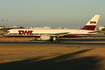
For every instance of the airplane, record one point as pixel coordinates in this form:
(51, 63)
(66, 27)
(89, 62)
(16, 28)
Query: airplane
(54, 34)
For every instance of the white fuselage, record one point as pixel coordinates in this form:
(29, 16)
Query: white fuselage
(39, 32)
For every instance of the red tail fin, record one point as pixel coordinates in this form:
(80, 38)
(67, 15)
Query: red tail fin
(92, 23)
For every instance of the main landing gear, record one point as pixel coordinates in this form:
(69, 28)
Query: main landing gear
(53, 39)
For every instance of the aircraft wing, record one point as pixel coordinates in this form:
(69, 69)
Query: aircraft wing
(59, 34)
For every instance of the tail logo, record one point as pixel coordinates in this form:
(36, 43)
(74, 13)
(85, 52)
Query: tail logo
(92, 22)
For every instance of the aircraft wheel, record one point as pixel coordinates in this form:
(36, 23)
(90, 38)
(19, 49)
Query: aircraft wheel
(51, 40)
(54, 39)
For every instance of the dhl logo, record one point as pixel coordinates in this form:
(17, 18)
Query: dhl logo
(22, 32)
(92, 22)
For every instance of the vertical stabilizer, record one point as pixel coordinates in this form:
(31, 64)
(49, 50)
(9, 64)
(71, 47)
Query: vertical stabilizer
(92, 23)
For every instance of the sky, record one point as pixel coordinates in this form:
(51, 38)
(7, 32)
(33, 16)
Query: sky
(59, 13)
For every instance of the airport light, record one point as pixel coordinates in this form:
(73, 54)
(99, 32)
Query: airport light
(50, 25)
(7, 21)
(2, 21)
(77, 25)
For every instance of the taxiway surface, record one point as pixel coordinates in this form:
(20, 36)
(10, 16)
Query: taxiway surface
(62, 44)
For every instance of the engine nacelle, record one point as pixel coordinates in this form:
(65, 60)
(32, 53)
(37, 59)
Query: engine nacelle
(45, 37)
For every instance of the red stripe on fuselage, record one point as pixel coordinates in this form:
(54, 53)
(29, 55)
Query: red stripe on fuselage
(89, 27)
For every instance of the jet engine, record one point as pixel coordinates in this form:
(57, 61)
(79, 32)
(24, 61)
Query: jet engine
(45, 37)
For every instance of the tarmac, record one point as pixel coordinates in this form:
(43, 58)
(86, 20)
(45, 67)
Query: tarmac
(31, 55)
(61, 43)
(58, 63)
(70, 43)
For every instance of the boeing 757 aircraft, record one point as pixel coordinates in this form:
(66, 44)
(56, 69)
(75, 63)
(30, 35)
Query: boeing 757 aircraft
(54, 34)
